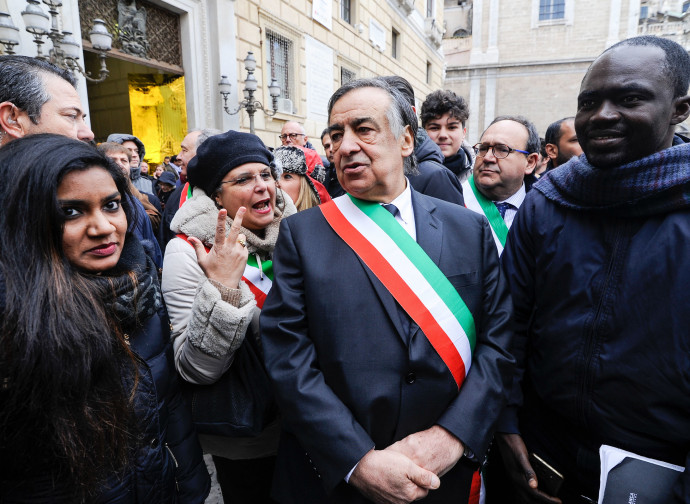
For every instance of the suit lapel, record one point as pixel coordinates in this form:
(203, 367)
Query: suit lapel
(387, 300)
(429, 228)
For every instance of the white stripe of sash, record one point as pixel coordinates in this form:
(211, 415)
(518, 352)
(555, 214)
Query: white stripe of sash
(410, 275)
(254, 276)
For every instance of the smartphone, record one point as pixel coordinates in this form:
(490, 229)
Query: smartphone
(549, 479)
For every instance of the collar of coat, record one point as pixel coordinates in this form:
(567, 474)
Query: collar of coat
(654, 185)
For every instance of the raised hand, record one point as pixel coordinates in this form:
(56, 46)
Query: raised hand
(226, 260)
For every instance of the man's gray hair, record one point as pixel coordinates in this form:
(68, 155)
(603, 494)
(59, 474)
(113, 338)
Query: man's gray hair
(533, 142)
(206, 133)
(399, 114)
(21, 83)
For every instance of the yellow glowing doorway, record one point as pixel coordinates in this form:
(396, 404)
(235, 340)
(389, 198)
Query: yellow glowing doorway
(159, 115)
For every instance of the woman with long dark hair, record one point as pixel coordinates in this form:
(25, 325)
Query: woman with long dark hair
(90, 409)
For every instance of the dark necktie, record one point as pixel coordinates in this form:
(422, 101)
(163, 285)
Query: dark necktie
(391, 208)
(502, 207)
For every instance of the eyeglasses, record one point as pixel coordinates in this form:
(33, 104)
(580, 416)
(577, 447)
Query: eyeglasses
(248, 180)
(499, 151)
(293, 136)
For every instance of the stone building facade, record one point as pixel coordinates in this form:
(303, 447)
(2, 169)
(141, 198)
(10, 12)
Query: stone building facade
(349, 39)
(528, 57)
(309, 46)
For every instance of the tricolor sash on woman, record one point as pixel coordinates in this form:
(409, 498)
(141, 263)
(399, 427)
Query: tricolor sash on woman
(409, 274)
(477, 202)
(185, 194)
(258, 277)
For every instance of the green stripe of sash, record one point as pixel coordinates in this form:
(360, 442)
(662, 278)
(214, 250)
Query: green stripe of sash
(491, 213)
(423, 262)
(266, 265)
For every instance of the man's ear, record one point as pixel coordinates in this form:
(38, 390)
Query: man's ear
(531, 163)
(681, 110)
(551, 150)
(10, 120)
(407, 142)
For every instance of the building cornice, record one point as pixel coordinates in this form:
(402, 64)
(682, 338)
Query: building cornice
(516, 64)
(416, 22)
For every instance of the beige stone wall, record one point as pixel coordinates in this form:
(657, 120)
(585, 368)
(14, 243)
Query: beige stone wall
(352, 49)
(584, 38)
(533, 68)
(540, 93)
(541, 97)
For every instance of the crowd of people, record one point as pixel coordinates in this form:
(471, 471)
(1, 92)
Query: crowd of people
(407, 317)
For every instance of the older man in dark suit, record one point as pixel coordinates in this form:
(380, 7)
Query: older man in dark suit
(385, 334)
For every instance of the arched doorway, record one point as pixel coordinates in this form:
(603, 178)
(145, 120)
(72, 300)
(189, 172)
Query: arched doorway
(144, 94)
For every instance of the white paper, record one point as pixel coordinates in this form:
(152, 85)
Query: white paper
(377, 35)
(322, 11)
(611, 457)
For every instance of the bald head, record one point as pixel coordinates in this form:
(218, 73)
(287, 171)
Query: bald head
(188, 150)
(293, 134)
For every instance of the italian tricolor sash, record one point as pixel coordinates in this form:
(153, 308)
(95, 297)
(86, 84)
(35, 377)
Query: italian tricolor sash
(186, 193)
(258, 279)
(408, 273)
(477, 202)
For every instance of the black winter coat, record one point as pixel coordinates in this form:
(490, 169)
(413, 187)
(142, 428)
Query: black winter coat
(168, 466)
(434, 179)
(602, 315)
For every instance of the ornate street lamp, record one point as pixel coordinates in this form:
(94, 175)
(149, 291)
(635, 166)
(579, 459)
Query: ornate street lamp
(66, 51)
(250, 85)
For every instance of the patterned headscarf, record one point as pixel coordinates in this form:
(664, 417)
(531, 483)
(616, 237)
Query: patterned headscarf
(305, 162)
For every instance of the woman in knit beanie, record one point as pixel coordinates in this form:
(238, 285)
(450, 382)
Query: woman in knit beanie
(214, 283)
(301, 175)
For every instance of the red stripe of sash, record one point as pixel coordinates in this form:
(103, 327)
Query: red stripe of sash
(398, 288)
(475, 489)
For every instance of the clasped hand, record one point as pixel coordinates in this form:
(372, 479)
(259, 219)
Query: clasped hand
(226, 260)
(407, 470)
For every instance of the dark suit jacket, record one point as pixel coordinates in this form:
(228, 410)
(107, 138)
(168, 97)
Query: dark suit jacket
(434, 179)
(347, 374)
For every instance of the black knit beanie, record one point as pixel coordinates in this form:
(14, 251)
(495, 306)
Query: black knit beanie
(220, 154)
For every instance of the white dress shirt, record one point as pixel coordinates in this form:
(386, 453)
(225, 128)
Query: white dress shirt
(515, 200)
(405, 215)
